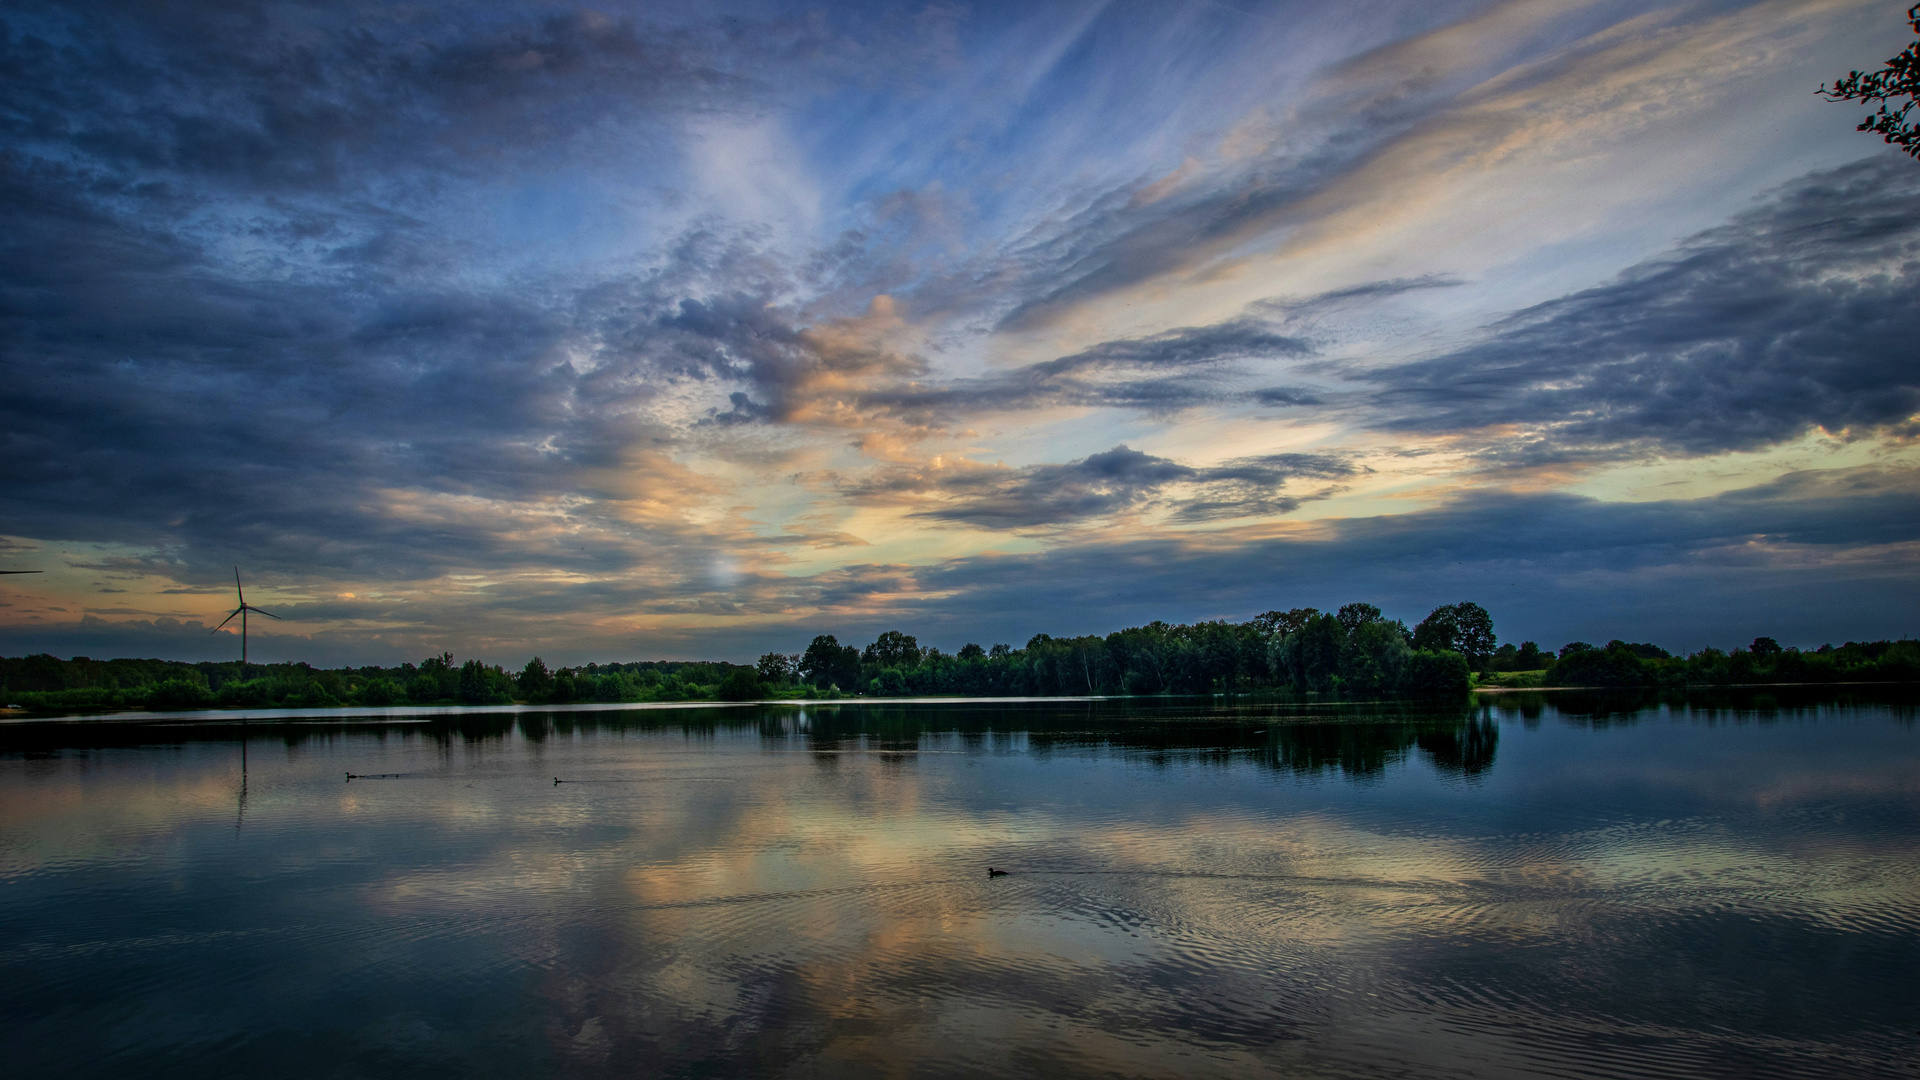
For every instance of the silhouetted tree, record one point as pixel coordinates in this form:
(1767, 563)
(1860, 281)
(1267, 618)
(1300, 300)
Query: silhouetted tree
(1354, 616)
(741, 684)
(829, 663)
(1616, 665)
(1465, 628)
(1272, 623)
(1311, 655)
(435, 680)
(479, 684)
(535, 681)
(893, 649)
(775, 668)
(1375, 655)
(380, 693)
(1436, 674)
(1899, 78)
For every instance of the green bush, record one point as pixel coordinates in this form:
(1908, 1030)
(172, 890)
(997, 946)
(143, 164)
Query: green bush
(179, 694)
(311, 696)
(482, 685)
(252, 694)
(741, 684)
(380, 693)
(1435, 673)
(1619, 664)
(90, 697)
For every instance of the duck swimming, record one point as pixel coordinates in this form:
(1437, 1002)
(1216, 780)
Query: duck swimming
(991, 872)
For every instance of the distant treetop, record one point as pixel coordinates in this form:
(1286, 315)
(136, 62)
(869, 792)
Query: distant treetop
(1900, 78)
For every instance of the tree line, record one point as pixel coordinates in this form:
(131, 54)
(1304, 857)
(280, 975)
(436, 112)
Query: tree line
(1625, 664)
(1352, 653)
(47, 682)
(1355, 651)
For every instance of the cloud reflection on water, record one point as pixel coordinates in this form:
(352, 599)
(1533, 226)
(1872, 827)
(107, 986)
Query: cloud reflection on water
(1224, 895)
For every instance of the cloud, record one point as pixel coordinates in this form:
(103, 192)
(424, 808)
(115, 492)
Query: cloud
(340, 97)
(855, 372)
(1160, 373)
(1186, 347)
(1810, 557)
(435, 307)
(1344, 140)
(325, 385)
(1286, 395)
(230, 321)
(1116, 482)
(157, 396)
(1824, 555)
(1796, 315)
(821, 375)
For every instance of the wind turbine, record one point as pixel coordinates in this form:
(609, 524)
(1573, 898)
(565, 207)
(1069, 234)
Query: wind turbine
(22, 571)
(242, 612)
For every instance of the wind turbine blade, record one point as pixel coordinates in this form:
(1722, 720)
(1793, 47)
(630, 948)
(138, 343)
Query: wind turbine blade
(225, 621)
(22, 571)
(237, 588)
(268, 614)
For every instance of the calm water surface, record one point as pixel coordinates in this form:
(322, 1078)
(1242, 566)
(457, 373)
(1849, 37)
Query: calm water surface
(1598, 889)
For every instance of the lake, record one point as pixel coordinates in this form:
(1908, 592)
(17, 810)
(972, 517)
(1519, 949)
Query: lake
(1536, 885)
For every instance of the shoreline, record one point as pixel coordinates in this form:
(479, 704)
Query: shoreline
(1686, 686)
(427, 713)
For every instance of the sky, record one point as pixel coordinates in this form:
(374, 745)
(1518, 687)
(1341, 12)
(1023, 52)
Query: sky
(693, 331)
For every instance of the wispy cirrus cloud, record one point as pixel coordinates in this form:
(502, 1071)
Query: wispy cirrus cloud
(1165, 372)
(1115, 482)
(854, 373)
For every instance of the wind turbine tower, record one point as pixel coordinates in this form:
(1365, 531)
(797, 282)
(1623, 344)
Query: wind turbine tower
(242, 612)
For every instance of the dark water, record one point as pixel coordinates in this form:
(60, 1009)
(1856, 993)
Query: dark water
(1605, 889)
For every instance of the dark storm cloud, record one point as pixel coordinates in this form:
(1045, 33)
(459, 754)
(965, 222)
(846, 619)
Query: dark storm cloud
(1100, 485)
(324, 96)
(154, 395)
(229, 321)
(1800, 314)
